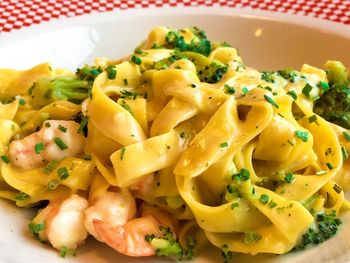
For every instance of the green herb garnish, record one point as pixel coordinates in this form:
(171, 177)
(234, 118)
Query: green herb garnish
(60, 143)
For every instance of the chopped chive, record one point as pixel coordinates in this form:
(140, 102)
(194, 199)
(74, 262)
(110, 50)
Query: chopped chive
(267, 88)
(83, 124)
(264, 199)
(21, 196)
(139, 51)
(302, 135)
(87, 157)
(62, 128)
(330, 166)
(272, 204)
(337, 188)
(281, 115)
(127, 107)
(193, 85)
(229, 89)
(182, 135)
(125, 82)
(323, 85)
(122, 152)
(312, 118)
(346, 136)
(289, 178)
(50, 167)
(244, 91)
(35, 229)
(39, 147)
(290, 143)
(60, 143)
(344, 153)
(5, 159)
(321, 172)
(47, 124)
(128, 94)
(293, 94)
(62, 173)
(307, 89)
(53, 184)
(271, 101)
(234, 205)
(136, 60)
(223, 145)
(111, 72)
(22, 102)
(243, 175)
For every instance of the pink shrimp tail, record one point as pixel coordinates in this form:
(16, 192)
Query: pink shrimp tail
(112, 236)
(124, 240)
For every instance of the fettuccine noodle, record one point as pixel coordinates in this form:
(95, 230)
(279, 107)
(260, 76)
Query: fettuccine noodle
(239, 160)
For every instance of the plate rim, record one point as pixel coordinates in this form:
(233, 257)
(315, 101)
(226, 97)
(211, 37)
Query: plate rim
(323, 25)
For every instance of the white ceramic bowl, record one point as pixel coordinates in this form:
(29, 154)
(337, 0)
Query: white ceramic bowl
(265, 40)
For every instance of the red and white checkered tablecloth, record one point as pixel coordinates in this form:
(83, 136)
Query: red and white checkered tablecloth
(15, 14)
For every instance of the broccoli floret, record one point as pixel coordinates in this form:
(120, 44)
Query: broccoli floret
(226, 254)
(213, 72)
(167, 245)
(203, 46)
(66, 252)
(337, 74)
(334, 103)
(334, 106)
(199, 44)
(47, 90)
(327, 225)
(208, 70)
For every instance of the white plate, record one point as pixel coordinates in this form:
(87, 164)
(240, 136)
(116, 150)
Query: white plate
(284, 41)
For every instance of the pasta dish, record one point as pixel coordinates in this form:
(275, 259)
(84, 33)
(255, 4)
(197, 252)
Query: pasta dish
(176, 147)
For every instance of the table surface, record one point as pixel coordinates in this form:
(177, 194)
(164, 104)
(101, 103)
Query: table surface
(16, 14)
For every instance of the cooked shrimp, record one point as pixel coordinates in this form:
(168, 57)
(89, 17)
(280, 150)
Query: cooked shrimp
(56, 140)
(64, 222)
(112, 208)
(144, 184)
(129, 239)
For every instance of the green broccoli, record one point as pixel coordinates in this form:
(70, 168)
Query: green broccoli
(208, 70)
(337, 74)
(47, 90)
(199, 44)
(334, 102)
(167, 245)
(327, 225)
(226, 254)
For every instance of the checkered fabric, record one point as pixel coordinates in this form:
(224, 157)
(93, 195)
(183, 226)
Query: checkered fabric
(15, 14)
